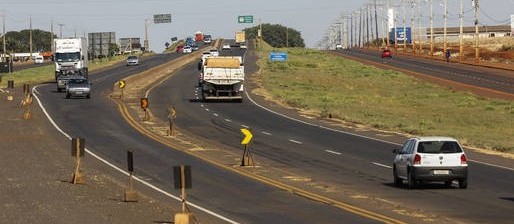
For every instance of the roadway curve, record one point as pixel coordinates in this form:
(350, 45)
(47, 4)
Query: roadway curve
(236, 198)
(348, 164)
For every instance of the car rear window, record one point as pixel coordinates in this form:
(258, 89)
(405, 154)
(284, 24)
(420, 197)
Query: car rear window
(436, 147)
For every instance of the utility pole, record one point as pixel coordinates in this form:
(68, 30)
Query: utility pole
(376, 22)
(367, 24)
(52, 35)
(412, 29)
(30, 38)
(146, 35)
(420, 38)
(461, 47)
(60, 29)
(351, 30)
(477, 53)
(445, 15)
(360, 28)
(431, 28)
(404, 27)
(4, 55)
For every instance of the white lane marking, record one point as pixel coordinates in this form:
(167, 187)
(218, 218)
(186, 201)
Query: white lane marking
(207, 109)
(493, 165)
(228, 120)
(245, 126)
(34, 89)
(352, 134)
(201, 105)
(266, 133)
(382, 165)
(294, 141)
(333, 152)
(215, 114)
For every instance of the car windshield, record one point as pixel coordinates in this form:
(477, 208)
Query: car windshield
(67, 57)
(435, 147)
(77, 81)
(132, 57)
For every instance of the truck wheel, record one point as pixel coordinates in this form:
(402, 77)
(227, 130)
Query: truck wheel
(68, 96)
(88, 96)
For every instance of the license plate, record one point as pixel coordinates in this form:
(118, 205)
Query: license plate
(79, 93)
(441, 172)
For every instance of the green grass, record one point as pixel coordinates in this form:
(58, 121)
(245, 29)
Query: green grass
(33, 76)
(386, 100)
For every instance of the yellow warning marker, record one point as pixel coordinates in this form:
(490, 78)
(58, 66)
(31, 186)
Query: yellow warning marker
(248, 136)
(247, 159)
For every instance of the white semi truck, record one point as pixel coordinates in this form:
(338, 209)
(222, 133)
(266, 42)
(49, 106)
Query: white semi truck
(70, 58)
(222, 78)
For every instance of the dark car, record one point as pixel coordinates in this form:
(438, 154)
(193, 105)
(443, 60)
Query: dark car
(387, 54)
(179, 48)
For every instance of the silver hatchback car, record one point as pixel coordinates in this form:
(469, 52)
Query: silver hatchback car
(430, 159)
(78, 86)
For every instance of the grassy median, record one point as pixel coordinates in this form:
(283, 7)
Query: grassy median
(331, 86)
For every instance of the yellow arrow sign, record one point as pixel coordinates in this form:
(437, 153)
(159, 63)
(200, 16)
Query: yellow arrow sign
(122, 84)
(248, 136)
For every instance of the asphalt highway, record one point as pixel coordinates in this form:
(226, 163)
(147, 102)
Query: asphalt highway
(340, 159)
(235, 198)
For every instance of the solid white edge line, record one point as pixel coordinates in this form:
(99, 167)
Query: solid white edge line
(382, 165)
(493, 165)
(266, 133)
(333, 152)
(352, 134)
(34, 89)
(294, 141)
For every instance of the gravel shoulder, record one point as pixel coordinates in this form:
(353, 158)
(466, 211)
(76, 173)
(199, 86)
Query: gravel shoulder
(36, 177)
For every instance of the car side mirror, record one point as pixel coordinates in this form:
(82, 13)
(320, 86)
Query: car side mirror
(396, 151)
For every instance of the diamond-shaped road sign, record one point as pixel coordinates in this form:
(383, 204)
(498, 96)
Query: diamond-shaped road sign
(248, 136)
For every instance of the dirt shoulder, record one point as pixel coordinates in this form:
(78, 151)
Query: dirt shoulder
(37, 169)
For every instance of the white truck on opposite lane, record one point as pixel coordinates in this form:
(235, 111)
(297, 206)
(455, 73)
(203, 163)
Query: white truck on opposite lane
(222, 78)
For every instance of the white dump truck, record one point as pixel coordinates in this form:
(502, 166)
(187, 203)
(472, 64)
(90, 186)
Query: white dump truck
(222, 78)
(70, 58)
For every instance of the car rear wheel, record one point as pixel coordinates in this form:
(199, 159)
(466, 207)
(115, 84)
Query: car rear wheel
(448, 183)
(463, 184)
(397, 180)
(411, 180)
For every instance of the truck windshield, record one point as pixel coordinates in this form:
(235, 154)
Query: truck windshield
(67, 57)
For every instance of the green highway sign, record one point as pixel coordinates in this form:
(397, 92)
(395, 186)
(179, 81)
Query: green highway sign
(245, 19)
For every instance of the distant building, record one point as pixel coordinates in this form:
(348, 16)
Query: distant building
(99, 43)
(130, 45)
(452, 33)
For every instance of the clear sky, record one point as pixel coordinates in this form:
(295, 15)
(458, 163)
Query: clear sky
(217, 17)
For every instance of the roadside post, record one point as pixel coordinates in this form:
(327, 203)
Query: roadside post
(182, 180)
(27, 103)
(247, 159)
(130, 194)
(144, 106)
(172, 114)
(121, 84)
(77, 151)
(10, 85)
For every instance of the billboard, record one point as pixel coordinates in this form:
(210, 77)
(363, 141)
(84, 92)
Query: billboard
(99, 43)
(130, 44)
(162, 18)
(401, 35)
